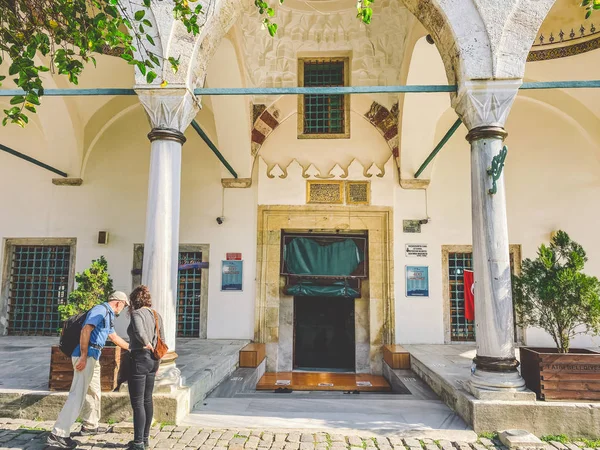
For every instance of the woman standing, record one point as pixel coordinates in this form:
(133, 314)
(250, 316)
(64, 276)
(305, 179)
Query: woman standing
(143, 337)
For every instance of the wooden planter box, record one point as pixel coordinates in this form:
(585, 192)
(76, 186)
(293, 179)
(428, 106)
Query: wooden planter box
(61, 369)
(561, 376)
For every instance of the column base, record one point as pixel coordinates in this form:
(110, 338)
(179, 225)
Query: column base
(486, 385)
(168, 377)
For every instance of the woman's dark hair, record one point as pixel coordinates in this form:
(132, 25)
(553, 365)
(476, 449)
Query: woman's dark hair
(140, 297)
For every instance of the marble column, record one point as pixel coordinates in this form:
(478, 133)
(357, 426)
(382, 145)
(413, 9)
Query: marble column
(169, 111)
(484, 106)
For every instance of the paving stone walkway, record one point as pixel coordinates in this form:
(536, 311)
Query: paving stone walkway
(31, 435)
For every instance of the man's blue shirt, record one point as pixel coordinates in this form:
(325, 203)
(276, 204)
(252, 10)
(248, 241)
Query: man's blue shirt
(101, 317)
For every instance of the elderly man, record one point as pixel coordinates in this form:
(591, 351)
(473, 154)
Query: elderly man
(84, 396)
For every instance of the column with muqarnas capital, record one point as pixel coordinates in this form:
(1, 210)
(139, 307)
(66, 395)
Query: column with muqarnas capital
(484, 107)
(170, 111)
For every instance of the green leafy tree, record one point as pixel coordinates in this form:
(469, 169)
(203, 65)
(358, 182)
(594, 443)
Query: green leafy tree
(554, 294)
(39, 35)
(94, 285)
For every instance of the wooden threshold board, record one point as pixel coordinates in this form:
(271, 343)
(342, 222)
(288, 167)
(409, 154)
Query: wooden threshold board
(323, 381)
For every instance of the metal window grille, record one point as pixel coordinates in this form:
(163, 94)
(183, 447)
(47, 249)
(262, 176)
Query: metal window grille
(188, 296)
(38, 283)
(323, 114)
(461, 328)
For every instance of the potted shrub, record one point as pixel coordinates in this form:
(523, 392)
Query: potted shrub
(553, 293)
(94, 285)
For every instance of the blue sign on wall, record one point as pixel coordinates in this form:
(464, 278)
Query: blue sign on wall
(232, 275)
(417, 281)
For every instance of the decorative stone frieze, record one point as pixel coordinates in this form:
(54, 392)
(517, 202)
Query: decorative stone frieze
(354, 170)
(386, 122)
(377, 51)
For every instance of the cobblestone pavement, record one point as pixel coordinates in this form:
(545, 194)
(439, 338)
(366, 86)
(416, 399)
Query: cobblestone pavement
(31, 435)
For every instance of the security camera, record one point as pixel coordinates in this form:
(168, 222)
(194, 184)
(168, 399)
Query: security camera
(220, 220)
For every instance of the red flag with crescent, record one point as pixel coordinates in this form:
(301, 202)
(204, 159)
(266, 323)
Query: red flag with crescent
(469, 295)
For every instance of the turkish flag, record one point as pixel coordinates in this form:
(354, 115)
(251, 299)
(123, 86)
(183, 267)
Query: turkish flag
(469, 295)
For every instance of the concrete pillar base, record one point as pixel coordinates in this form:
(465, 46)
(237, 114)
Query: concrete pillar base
(483, 382)
(168, 377)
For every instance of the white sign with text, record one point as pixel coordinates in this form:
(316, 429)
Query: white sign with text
(416, 250)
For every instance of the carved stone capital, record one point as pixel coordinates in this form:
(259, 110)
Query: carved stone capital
(169, 108)
(485, 103)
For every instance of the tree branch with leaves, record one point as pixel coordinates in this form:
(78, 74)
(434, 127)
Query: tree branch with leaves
(37, 36)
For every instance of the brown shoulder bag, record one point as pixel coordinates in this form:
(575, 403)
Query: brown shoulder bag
(160, 349)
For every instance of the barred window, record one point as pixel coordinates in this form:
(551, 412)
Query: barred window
(38, 284)
(324, 114)
(192, 287)
(188, 295)
(462, 329)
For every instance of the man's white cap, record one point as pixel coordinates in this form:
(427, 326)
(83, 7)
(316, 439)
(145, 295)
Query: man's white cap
(119, 296)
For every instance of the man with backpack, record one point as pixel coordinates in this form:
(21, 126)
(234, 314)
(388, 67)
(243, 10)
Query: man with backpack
(84, 396)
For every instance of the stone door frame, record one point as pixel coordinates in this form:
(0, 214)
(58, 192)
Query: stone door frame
(272, 321)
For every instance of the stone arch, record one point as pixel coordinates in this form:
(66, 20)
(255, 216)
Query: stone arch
(224, 15)
(384, 120)
(173, 40)
(477, 40)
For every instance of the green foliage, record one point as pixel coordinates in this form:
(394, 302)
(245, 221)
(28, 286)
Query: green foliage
(554, 294)
(563, 439)
(590, 6)
(490, 436)
(37, 36)
(94, 286)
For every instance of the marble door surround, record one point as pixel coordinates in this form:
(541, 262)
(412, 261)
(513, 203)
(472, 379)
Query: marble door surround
(374, 311)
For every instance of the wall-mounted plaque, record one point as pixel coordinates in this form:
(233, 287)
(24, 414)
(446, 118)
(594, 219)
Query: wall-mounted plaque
(358, 193)
(331, 192)
(416, 250)
(411, 226)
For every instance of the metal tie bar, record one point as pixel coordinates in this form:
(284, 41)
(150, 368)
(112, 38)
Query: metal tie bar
(438, 147)
(436, 88)
(32, 160)
(213, 147)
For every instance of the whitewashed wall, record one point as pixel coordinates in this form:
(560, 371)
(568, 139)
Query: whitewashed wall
(113, 198)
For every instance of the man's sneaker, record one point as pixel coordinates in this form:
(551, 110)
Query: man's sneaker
(91, 431)
(56, 441)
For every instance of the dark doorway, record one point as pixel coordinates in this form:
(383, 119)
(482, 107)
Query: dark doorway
(324, 334)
